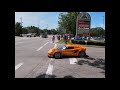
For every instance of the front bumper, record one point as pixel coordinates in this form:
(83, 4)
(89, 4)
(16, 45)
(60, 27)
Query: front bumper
(50, 55)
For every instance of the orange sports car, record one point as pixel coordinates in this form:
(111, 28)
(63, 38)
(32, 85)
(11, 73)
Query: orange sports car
(67, 50)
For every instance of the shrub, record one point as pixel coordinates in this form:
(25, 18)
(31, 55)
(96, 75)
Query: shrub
(89, 42)
(78, 41)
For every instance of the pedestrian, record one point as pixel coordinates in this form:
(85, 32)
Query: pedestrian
(59, 37)
(65, 39)
(53, 39)
(68, 38)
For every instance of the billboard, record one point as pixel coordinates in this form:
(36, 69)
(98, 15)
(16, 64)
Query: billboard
(83, 24)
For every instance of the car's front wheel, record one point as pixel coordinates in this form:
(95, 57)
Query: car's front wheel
(82, 54)
(57, 55)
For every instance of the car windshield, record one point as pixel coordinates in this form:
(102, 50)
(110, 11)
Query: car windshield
(61, 47)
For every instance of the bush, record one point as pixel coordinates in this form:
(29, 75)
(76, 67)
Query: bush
(96, 43)
(89, 42)
(78, 41)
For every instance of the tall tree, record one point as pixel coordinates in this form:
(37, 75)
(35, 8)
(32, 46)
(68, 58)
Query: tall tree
(97, 32)
(18, 29)
(24, 30)
(68, 22)
(33, 29)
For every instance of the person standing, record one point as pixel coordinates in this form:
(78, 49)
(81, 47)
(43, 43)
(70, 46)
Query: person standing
(65, 39)
(53, 39)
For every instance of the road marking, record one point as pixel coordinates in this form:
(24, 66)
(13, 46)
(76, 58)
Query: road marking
(45, 43)
(73, 61)
(49, 70)
(50, 66)
(55, 45)
(17, 66)
(42, 46)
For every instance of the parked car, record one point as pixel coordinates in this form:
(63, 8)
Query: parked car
(44, 35)
(29, 35)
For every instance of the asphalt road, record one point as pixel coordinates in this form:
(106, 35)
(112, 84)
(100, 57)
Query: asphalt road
(31, 61)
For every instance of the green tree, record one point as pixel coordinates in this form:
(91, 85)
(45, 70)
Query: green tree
(98, 32)
(33, 29)
(18, 29)
(68, 22)
(44, 30)
(24, 30)
(53, 31)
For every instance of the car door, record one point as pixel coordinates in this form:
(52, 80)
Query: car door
(69, 51)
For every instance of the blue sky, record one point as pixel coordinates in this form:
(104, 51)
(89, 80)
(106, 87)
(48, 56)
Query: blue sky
(50, 19)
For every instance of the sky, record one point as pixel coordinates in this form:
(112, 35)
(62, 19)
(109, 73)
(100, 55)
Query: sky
(50, 20)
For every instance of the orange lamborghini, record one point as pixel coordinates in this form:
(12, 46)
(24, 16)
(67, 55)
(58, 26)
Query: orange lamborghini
(67, 50)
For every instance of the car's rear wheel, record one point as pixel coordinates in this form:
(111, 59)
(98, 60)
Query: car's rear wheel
(57, 55)
(82, 54)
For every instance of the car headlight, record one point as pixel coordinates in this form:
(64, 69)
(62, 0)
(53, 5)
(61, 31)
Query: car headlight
(53, 50)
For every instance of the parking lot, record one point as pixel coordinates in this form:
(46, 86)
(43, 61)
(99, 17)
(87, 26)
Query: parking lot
(31, 61)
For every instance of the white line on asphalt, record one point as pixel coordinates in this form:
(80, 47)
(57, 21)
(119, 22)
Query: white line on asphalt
(55, 45)
(50, 67)
(45, 43)
(42, 46)
(17, 66)
(73, 61)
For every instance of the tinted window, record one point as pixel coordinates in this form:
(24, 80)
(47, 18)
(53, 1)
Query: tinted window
(61, 48)
(70, 47)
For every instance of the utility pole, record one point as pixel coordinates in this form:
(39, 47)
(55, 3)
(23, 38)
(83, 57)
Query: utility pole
(76, 25)
(21, 22)
(38, 26)
(38, 29)
(103, 22)
(46, 28)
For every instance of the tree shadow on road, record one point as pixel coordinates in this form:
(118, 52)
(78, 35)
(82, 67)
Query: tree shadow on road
(103, 72)
(52, 76)
(45, 76)
(88, 57)
(98, 63)
(69, 76)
